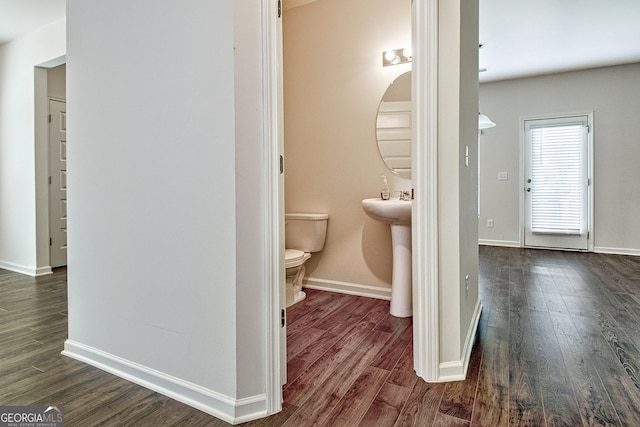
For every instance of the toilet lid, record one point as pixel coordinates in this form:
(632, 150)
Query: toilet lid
(293, 255)
(295, 258)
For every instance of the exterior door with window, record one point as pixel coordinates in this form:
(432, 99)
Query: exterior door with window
(557, 182)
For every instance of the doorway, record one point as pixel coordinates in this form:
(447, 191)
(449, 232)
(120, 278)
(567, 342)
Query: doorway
(424, 16)
(57, 183)
(331, 102)
(49, 84)
(557, 159)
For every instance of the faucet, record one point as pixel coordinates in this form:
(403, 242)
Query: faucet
(404, 194)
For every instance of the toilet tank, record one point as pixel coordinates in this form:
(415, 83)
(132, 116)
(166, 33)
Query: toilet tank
(305, 231)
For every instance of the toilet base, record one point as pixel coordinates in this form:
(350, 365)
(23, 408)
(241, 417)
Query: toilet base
(299, 296)
(295, 294)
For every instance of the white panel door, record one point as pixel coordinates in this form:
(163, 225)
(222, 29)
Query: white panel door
(58, 183)
(557, 183)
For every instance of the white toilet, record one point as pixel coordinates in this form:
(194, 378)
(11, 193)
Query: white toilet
(304, 233)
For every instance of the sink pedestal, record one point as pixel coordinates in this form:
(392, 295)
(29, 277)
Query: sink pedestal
(401, 298)
(396, 213)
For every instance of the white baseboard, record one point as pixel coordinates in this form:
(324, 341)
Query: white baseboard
(616, 251)
(226, 408)
(23, 269)
(506, 243)
(457, 370)
(43, 271)
(597, 249)
(348, 288)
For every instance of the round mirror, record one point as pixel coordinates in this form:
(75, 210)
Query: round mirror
(393, 126)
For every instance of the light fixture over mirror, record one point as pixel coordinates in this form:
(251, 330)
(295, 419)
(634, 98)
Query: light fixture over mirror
(393, 126)
(396, 56)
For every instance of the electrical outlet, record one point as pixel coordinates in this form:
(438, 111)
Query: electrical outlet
(503, 176)
(490, 223)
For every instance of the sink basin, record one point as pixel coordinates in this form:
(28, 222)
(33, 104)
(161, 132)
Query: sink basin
(396, 213)
(393, 211)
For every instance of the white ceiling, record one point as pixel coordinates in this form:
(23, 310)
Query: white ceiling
(531, 37)
(520, 37)
(18, 17)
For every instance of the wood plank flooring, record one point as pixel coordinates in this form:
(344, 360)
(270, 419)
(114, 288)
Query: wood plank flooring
(558, 345)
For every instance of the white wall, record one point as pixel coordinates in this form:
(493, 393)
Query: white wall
(250, 230)
(612, 93)
(457, 183)
(20, 151)
(164, 286)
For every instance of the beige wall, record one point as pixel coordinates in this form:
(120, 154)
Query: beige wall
(57, 82)
(612, 93)
(334, 81)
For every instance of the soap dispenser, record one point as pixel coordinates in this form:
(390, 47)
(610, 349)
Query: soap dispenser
(384, 194)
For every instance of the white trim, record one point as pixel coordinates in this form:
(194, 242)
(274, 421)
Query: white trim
(23, 269)
(43, 271)
(451, 371)
(273, 205)
(590, 173)
(457, 370)
(226, 408)
(41, 159)
(424, 164)
(348, 288)
(590, 156)
(506, 243)
(521, 201)
(616, 251)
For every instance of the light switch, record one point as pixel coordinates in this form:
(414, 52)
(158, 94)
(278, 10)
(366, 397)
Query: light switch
(503, 176)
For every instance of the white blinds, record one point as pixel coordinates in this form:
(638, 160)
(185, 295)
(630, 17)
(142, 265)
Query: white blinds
(556, 184)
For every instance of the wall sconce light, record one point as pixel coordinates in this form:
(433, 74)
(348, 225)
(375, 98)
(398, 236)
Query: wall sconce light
(396, 56)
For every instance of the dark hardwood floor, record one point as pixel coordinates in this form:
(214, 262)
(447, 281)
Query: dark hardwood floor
(558, 344)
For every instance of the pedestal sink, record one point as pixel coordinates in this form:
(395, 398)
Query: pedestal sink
(396, 213)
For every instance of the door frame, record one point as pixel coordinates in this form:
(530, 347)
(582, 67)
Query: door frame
(41, 155)
(424, 171)
(49, 169)
(273, 135)
(590, 169)
(424, 142)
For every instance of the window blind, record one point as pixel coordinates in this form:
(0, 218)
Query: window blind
(556, 184)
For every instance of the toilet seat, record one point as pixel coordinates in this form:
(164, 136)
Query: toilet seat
(295, 257)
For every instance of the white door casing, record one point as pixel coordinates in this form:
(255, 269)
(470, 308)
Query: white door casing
(57, 183)
(557, 190)
(425, 208)
(275, 291)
